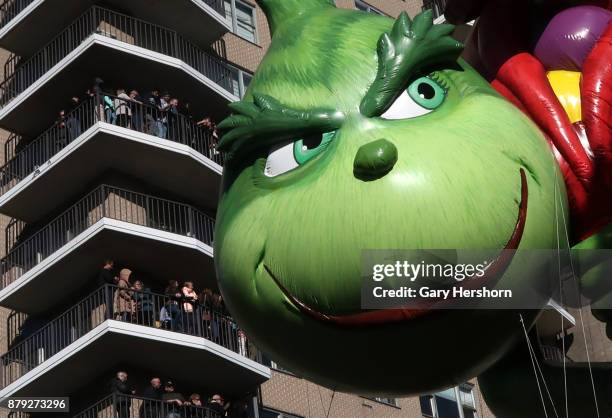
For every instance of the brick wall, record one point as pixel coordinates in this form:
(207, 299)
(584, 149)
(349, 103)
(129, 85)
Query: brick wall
(287, 393)
(248, 55)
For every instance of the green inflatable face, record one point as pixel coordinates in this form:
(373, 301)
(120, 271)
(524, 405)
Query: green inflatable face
(359, 132)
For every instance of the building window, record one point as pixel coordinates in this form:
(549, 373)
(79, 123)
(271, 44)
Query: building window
(242, 19)
(267, 361)
(386, 401)
(436, 6)
(240, 81)
(271, 413)
(365, 7)
(457, 402)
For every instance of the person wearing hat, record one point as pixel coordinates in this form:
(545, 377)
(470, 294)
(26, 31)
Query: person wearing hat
(173, 401)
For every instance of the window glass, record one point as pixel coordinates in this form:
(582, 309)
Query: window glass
(269, 413)
(466, 393)
(448, 394)
(246, 80)
(426, 409)
(446, 408)
(469, 412)
(241, 18)
(245, 21)
(363, 6)
(235, 74)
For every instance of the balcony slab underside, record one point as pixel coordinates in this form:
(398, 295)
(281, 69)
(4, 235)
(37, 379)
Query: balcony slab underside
(59, 278)
(194, 19)
(173, 168)
(211, 367)
(120, 65)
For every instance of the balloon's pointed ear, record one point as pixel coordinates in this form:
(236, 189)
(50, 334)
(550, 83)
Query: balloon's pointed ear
(279, 11)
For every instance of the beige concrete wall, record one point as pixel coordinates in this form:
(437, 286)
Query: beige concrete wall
(591, 339)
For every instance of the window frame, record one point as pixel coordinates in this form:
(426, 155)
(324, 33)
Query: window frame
(233, 20)
(457, 398)
(385, 401)
(242, 88)
(368, 8)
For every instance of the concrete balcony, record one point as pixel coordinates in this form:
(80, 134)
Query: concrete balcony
(88, 141)
(202, 21)
(73, 348)
(156, 237)
(121, 50)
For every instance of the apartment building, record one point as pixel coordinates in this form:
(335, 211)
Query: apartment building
(97, 178)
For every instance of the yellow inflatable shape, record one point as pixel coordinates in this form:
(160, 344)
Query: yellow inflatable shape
(566, 85)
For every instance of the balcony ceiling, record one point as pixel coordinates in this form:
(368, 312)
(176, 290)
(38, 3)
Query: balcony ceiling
(119, 65)
(193, 19)
(151, 259)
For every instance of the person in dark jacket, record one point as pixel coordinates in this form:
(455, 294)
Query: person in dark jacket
(173, 401)
(173, 298)
(152, 395)
(217, 404)
(144, 309)
(107, 275)
(122, 391)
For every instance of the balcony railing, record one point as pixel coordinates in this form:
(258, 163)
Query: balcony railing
(9, 9)
(116, 405)
(436, 6)
(117, 26)
(144, 308)
(139, 117)
(105, 202)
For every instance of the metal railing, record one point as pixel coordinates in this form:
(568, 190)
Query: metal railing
(105, 202)
(167, 124)
(552, 353)
(437, 6)
(133, 31)
(144, 308)
(124, 406)
(9, 9)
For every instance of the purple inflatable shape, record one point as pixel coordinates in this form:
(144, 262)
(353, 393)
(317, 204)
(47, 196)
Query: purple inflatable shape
(570, 36)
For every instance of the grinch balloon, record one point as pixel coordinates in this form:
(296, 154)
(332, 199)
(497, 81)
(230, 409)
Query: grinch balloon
(361, 132)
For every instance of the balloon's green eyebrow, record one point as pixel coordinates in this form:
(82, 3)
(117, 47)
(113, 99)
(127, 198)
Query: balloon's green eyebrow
(408, 48)
(266, 121)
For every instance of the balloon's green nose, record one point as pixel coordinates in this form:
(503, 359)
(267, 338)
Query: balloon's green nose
(374, 160)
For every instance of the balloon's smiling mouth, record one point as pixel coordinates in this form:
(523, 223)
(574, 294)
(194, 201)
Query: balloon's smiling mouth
(493, 273)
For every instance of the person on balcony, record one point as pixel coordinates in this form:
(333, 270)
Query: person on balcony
(190, 299)
(123, 111)
(173, 119)
(137, 111)
(73, 120)
(124, 304)
(107, 275)
(150, 407)
(173, 401)
(144, 306)
(153, 102)
(212, 134)
(122, 390)
(61, 138)
(162, 117)
(217, 404)
(195, 400)
(172, 308)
